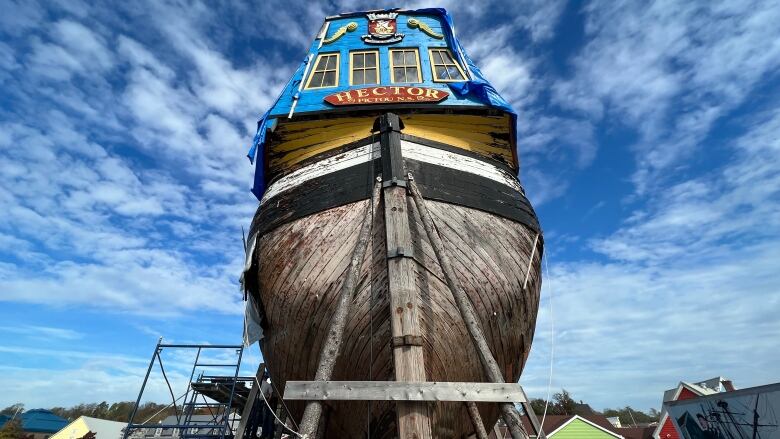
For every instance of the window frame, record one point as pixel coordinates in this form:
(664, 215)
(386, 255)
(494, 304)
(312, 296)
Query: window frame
(392, 65)
(314, 70)
(378, 66)
(433, 65)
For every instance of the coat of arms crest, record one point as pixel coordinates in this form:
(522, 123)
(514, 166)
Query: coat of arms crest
(382, 28)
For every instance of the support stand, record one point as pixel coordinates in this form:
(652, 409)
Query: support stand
(412, 417)
(508, 411)
(331, 349)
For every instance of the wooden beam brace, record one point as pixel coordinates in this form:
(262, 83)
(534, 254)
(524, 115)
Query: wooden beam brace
(492, 371)
(403, 391)
(331, 349)
(250, 402)
(476, 419)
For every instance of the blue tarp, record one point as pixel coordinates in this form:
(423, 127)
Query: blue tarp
(257, 150)
(478, 88)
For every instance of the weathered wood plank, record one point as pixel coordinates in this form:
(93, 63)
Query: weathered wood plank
(250, 402)
(403, 391)
(476, 419)
(294, 142)
(300, 292)
(413, 418)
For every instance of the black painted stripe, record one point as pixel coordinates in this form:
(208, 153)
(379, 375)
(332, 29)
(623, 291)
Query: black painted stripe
(471, 190)
(321, 193)
(355, 183)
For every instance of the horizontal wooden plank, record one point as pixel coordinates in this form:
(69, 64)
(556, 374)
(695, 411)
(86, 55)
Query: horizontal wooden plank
(403, 391)
(296, 141)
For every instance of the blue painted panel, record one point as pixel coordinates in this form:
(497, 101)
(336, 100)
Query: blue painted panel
(312, 100)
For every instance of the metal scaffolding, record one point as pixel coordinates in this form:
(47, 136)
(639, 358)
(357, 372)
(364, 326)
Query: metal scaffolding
(212, 404)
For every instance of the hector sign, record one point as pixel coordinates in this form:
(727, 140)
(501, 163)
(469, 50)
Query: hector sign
(386, 95)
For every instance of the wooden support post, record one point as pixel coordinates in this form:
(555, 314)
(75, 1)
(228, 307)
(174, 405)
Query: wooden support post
(508, 410)
(529, 413)
(476, 419)
(250, 402)
(280, 426)
(413, 419)
(497, 431)
(332, 346)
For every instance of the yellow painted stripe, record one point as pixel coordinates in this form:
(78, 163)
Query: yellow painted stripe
(297, 141)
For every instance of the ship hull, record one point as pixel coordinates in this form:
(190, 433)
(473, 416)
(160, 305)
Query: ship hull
(306, 230)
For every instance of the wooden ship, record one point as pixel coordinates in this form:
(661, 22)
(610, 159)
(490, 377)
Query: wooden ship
(393, 242)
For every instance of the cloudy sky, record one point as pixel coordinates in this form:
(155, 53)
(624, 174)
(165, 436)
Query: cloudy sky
(649, 138)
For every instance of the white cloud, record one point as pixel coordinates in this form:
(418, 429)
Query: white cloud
(627, 326)
(716, 212)
(73, 49)
(670, 71)
(91, 222)
(86, 44)
(42, 332)
(688, 289)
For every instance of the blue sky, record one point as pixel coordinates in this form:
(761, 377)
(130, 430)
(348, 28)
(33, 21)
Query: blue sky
(649, 141)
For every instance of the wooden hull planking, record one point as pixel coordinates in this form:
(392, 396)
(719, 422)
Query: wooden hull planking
(302, 265)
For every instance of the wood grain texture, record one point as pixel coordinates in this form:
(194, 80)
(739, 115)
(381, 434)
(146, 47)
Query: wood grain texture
(293, 143)
(302, 266)
(408, 360)
(403, 391)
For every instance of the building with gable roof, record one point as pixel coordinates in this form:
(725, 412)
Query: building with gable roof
(86, 427)
(686, 390)
(38, 423)
(585, 424)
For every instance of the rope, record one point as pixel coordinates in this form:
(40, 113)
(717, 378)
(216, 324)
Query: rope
(173, 398)
(260, 391)
(530, 261)
(552, 344)
(276, 391)
(284, 404)
(164, 408)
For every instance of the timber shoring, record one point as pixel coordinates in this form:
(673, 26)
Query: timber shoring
(479, 426)
(509, 412)
(332, 346)
(403, 391)
(413, 418)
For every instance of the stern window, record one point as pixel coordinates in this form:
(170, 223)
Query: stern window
(364, 68)
(444, 67)
(326, 71)
(405, 65)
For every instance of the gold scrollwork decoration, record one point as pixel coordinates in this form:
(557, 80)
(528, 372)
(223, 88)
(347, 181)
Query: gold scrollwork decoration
(349, 27)
(414, 23)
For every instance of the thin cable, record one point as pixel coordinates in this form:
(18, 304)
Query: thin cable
(371, 286)
(164, 408)
(552, 343)
(276, 391)
(259, 387)
(173, 398)
(530, 261)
